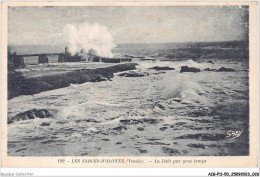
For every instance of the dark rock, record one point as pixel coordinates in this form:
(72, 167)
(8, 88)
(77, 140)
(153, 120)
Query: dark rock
(61, 122)
(163, 128)
(133, 74)
(209, 61)
(140, 128)
(119, 143)
(160, 106)
(197, 146)
(208, 69)
(159, 73)
(189, 69)
(45, 124)
(157, 143)
(223, 69)
(153, 139)
(120, 128)
(142, 151)
(157, 68)
(170, 151)
(30, 114)
(105, 139)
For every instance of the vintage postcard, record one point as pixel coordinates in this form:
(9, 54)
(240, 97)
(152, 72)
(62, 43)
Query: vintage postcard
(129, 84)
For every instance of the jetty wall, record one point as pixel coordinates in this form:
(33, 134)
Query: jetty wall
(20, 85)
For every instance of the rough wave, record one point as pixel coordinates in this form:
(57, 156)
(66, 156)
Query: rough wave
(89, 36)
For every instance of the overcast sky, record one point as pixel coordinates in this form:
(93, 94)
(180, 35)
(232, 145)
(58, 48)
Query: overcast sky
(44, 25)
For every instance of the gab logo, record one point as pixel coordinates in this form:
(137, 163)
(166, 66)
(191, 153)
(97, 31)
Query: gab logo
(233, 134)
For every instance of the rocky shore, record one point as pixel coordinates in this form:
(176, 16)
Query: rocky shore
(18, 84)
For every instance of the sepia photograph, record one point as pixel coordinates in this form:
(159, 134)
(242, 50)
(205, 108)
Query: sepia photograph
(128, 80)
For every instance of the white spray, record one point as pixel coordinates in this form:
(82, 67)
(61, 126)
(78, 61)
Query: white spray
(89, 36)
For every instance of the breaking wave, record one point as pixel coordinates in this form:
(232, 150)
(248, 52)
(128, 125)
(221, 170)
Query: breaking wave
(174, 64)
(89, 36)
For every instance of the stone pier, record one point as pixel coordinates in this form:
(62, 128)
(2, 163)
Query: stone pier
(43, 59)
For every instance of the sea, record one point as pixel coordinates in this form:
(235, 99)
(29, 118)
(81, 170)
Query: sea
(162, 113)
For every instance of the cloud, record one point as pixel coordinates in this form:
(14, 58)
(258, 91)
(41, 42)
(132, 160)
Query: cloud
(44, 25)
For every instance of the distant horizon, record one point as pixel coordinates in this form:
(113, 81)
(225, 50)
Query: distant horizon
(134, 43)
